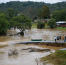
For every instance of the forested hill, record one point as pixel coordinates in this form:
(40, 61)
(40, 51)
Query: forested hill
(31, 7)
(21, 6)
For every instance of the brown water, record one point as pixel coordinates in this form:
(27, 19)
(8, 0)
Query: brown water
(24, 57)
(44, 34)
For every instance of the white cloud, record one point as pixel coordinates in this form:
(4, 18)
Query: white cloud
(62, 0)
(46, 1)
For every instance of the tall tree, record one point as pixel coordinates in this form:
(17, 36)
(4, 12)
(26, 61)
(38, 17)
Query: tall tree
(44, 12)
(11, 13)
(23, 22)
(52, 23)
(59, 15)
(3, 24)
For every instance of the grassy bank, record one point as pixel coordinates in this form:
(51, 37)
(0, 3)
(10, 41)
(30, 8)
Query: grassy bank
(57, 58)
(61, 28)
(34, 25)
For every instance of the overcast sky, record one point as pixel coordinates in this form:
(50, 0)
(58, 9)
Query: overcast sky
(46, 1)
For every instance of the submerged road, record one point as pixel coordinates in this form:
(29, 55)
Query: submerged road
(30, 42)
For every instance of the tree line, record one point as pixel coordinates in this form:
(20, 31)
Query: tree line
(31, 8)
(22, 20)
(11, 19)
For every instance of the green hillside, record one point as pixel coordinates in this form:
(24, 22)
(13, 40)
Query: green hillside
(31, 8)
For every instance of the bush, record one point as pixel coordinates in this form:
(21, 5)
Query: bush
(40, 24)
(52, 23)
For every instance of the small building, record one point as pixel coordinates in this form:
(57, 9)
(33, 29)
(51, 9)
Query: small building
(61, 23)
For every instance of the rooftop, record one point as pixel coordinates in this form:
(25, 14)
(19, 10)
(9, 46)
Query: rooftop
(61, 22)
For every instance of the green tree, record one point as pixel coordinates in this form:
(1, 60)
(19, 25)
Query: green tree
(40, 24)
(23, 22)
(13, 24)
(59, 15)
(52, 23)
(44, 12)
(11, 13)
(3, 24)
(24, 7)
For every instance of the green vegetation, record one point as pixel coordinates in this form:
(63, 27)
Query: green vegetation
(47, 26)
(52, 23)
(40, 24)
(11, 13)
(10, 19)
(59, 15)
(61, 28)
(34, 25)
(20, 14)
(57, 58)
(31, 8)
(23, 23)
(3, 24)
(44, 12)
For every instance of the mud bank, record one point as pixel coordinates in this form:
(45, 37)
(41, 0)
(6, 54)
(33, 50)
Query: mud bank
(52, 44)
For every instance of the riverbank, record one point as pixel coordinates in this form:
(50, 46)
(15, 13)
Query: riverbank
(34, 25)
(52, 58)
(24, 54)
(51, 44)
(61, 28)
(45, 46)
(57, 58)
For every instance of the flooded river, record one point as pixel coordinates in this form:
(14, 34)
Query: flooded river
(44, 34)
(24, 56)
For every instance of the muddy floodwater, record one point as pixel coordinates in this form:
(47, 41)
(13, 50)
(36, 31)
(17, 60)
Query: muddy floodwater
(25, 57)
(44, 34)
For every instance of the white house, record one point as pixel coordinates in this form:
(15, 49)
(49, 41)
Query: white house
(61, 23)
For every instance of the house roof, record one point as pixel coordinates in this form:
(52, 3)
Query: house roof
(61, 22)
